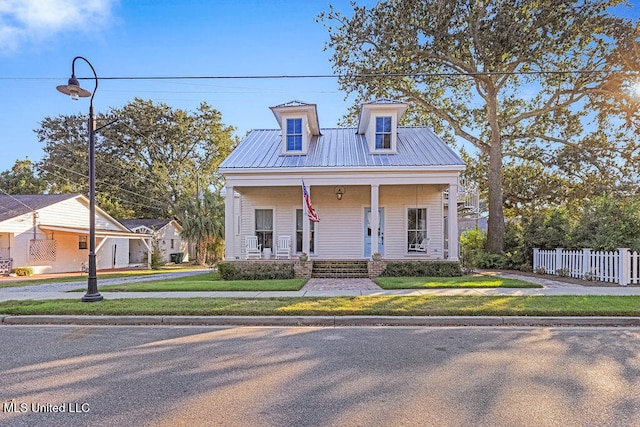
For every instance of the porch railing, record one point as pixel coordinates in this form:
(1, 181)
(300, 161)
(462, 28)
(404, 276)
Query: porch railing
(6, 265)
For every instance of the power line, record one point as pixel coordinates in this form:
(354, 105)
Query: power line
(159, 204)
(336, 76)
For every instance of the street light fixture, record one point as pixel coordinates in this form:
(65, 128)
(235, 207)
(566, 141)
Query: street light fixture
(73, 89)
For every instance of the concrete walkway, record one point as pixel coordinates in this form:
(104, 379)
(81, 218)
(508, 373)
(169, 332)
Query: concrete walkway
(314, 288)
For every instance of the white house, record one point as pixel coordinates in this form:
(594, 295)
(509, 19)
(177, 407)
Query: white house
(166, 233)
(378, 179)
(50, 234)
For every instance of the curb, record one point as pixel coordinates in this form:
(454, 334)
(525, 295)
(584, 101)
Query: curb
(321, 321)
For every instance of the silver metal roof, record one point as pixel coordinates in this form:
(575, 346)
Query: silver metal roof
(341, 148)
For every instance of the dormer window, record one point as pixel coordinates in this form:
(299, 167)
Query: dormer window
(299, 124)
(294, 134)
(383, 133)
(379, 124)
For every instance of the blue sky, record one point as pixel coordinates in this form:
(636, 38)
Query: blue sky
(39, 39)
(142, 38)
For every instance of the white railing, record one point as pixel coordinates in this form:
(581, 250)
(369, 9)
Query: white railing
(5, 266)
(621, 266)
(468, 197)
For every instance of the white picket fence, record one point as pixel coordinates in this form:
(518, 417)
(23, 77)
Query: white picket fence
(621, 266)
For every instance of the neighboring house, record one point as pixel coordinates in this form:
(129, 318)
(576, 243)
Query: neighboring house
(166, 233)
(50, 234)
(378, 179)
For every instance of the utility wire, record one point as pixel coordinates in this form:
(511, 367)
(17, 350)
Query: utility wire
(159, 204)
(111, 196)
(335, 76)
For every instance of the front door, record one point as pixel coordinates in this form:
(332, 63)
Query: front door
(367, 232)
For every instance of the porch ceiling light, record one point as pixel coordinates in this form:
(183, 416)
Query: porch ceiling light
(339, 192)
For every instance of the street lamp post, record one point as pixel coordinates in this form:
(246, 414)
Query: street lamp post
(73, 89)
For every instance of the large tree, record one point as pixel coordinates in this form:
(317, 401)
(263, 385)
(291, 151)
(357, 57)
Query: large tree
(22, 179)
(149, 162)
(520, 80)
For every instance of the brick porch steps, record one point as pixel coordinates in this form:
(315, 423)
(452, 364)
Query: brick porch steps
(340, 269)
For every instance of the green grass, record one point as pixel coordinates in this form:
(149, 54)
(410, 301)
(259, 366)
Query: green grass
(341, 306)
(475, 281)
(205, 282)
(83, 278)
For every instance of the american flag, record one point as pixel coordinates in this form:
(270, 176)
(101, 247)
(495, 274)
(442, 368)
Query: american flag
(306, 201)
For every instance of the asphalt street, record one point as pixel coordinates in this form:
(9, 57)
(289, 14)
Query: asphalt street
(310, 376)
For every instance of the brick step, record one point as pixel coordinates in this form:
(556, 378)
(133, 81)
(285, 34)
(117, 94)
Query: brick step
(339, 269)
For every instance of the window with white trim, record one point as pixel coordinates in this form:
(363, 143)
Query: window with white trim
(417, 230)
(294, 134)
(264, 227)
(383, 133)
(299, 233)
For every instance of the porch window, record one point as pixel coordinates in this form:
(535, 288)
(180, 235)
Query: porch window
(264, 227)
(383, 132)
(294, 134)
(82, 242)
(312, 232)
(416, 229)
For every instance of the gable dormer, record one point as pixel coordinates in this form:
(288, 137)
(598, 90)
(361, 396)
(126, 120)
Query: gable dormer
(299, 123)
(379, 124)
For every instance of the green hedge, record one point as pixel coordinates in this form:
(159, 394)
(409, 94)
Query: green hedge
(422, 268)
(255, 271)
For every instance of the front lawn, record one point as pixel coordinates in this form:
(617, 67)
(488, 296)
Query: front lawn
(474, 281)
(33, 280)
(340, 306)
(205, 282)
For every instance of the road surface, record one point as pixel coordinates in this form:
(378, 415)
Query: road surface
(306, 376)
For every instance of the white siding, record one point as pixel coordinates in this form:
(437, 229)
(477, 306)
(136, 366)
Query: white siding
(164, 236)
(396, 200)
(114, 253)
(73, 213)
(340, 232)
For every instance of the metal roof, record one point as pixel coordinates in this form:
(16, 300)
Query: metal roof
(20, 204)
(341, 148)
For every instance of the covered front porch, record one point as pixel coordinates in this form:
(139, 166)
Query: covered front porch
(407, 212)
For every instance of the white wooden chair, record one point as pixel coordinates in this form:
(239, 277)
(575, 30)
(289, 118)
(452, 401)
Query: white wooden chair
(420, 247)
(252, 249)
(283, 250)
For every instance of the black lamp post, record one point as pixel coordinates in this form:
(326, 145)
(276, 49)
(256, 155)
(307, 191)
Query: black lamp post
(74, 90)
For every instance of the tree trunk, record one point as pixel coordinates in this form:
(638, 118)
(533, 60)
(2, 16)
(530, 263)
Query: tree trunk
(495, 233)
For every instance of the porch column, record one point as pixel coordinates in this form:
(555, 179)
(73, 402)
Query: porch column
(452, 215)
(306, 227)
(149, 246)
(229, 218)
(375, 218)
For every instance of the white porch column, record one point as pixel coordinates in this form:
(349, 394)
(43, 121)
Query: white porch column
(306, 227)
(229, 226)
(452, 215)
(375, 218)
(149, 252)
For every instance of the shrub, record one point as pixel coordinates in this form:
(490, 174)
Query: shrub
(422, 268)
(255, 270)
(472, 245)
(486, 260)
(22, 271)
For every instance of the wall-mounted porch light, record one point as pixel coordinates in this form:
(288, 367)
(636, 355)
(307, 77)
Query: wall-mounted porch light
(339, 192)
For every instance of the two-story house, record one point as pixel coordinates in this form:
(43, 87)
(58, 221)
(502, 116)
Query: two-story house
(377, 188)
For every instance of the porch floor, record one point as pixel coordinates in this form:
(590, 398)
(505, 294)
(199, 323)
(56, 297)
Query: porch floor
(333, 284)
